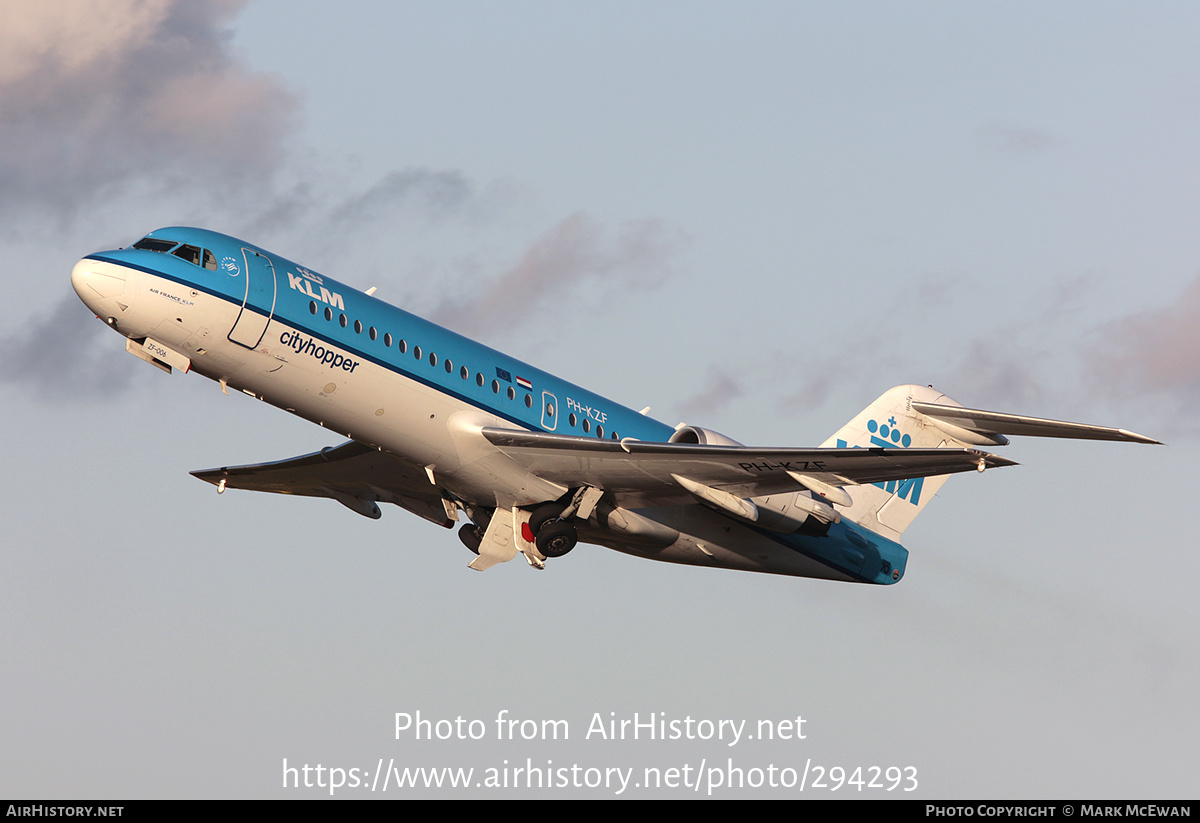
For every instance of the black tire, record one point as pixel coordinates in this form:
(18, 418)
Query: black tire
(542, 515)
(471, 536)
(556, 538)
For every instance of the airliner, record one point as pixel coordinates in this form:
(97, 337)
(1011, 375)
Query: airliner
(525, 462)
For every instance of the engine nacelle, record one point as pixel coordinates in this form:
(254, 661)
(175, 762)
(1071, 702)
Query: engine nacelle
(697, 436)
(795, 512)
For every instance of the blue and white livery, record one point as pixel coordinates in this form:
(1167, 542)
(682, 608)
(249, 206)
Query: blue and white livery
(454, 431)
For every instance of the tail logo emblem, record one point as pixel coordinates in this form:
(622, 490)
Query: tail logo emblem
(886, 435)
(889, 436)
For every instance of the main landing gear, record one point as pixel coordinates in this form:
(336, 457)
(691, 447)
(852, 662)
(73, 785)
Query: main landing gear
(550, 527)
(553, 535)
(553, 524)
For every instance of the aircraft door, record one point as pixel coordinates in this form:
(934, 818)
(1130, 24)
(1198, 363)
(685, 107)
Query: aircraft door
(549, 411)
(251, 325)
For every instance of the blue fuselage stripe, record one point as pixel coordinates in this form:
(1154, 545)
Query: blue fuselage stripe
(436, 339)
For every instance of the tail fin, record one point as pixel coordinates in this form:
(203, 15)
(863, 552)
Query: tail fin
(891, 423)
(922, 417)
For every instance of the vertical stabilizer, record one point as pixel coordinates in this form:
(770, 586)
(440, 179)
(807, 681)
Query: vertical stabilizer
(891, 423)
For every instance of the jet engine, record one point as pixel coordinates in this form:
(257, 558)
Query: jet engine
(697, 436)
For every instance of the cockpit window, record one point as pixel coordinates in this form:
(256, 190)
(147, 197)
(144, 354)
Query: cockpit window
(188, 253)
(193, 254)
(155, 244)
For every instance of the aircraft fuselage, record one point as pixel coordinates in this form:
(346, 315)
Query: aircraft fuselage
(369, 371)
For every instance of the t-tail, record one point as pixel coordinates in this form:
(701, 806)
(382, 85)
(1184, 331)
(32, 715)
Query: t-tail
(921, 417)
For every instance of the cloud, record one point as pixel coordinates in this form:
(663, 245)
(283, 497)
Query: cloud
(719, 389)
(576, 251)
(816, 384)
(1154, 352)
(96, 94)
(433, 194)
(1012, 365)
(61, 355)
(1000, 370)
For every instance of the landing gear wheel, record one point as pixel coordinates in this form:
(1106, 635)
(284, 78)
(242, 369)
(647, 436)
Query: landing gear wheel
(543, 515)
(556, 538)
(471, 536)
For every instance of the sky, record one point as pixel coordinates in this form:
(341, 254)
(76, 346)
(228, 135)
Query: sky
(753, 217)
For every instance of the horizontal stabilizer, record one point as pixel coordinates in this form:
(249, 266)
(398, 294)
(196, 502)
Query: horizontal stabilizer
(989, 422)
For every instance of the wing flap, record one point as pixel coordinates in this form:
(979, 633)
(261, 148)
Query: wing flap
(649, 472)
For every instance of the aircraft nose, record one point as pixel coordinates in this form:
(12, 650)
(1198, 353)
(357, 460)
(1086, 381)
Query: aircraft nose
(95, 281)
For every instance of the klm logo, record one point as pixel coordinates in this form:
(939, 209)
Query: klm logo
(886, 435)
(303, 283)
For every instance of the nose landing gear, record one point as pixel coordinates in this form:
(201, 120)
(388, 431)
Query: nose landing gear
(471, 536)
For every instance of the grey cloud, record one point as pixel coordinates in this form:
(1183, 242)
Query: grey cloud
(316, 218)
(1154, 354)
(63, 356)
(433, 193)
(577, 250)
(720, 388)
(1004, 366)
(1011, 365)
(1000, 370)
(95, 96)
(1157, 349)
(815, 387)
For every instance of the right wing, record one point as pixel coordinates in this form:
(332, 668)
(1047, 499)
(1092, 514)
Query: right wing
(644, 473)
